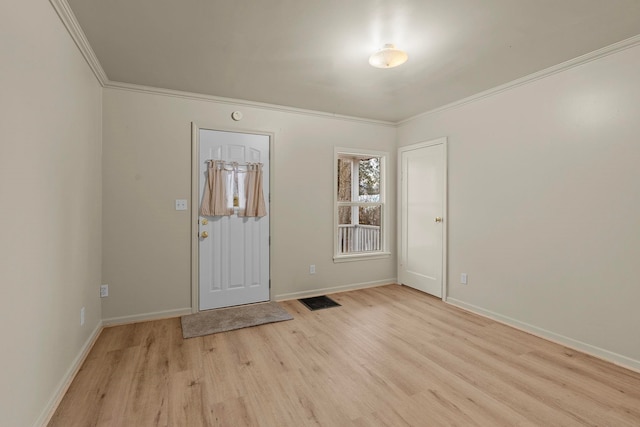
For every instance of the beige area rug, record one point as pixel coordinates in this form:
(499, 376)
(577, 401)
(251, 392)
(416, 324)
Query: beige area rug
(228, 319)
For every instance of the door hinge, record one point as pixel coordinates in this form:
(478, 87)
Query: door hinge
(269, 240)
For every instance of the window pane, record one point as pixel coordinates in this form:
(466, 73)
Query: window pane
(370, 215)
(344, 180)
(360, 205)
(365, 236)
(344, 215)
(369, 177)
(345, 229)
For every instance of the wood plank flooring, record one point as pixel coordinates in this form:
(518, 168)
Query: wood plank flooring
(390, 356)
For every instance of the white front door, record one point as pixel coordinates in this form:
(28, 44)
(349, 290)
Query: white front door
(234, 257)
(422, 209)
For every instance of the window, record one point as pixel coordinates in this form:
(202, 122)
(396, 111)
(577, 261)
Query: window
(359, 205)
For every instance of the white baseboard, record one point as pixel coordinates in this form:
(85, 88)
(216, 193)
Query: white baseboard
(332, 290)
(68, 377)
(600, 353)
(157, 315)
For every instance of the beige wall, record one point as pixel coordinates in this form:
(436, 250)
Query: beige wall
(50, 209)
(147, 165)
(544, 204)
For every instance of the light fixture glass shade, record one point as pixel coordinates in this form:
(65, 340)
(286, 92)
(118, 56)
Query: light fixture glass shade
(388, 57)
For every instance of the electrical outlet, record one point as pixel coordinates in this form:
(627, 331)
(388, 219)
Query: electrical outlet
(104, 291)
(312, 269)
(181, 205)
(463, 278)
(82, 316)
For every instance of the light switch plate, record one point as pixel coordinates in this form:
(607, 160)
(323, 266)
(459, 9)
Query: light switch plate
(181, 204)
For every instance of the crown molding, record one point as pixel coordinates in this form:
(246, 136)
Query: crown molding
(239, 102)
(69, 20)
(564, 66)
(75, 31)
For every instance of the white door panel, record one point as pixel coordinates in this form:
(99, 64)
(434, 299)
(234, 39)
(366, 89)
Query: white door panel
(234, 258)
(421, 217)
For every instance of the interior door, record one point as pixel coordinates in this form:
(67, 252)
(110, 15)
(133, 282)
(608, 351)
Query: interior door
(422, 209)
(234, 255)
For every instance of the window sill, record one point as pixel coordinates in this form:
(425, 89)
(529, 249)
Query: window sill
(361, 257)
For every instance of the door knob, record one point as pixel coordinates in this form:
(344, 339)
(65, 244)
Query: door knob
(204, 234)
(438, 219)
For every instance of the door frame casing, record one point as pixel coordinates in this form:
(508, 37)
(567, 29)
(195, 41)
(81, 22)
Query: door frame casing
(437, 141)
(195, 203)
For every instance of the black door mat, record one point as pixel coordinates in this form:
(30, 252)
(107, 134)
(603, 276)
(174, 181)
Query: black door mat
(318, 303)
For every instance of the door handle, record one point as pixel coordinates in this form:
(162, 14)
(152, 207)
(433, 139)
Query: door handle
(438, 219)
(204, 234)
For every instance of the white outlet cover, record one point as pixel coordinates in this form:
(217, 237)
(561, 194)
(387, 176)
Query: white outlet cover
(181, 204)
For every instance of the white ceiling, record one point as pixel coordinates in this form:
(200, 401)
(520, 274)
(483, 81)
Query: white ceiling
(313, 54)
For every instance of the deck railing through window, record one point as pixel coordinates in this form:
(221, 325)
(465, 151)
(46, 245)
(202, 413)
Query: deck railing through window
(358, 238)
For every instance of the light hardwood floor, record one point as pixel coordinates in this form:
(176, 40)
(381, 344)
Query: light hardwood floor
(390, 356)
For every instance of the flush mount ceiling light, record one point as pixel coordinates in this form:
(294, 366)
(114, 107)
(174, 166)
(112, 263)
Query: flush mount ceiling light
(388, 57)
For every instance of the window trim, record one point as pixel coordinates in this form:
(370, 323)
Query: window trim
(384, 223)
